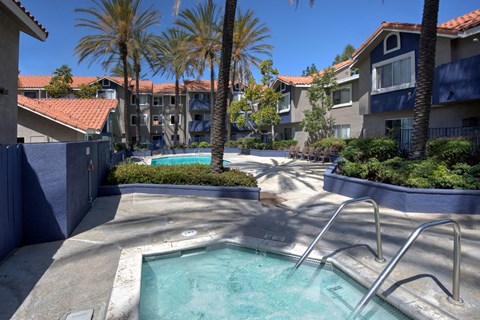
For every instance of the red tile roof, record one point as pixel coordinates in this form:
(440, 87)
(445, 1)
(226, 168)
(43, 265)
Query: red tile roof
(78, 113)
(199, 85)
(449, 28)
(37, 82)
(30, 16)
(462, 23)
(168, 88)
(301, 80)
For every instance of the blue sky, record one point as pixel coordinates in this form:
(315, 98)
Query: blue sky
(300, 37)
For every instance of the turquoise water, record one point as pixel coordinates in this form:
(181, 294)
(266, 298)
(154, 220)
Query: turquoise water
(234, 283)
(172, 161)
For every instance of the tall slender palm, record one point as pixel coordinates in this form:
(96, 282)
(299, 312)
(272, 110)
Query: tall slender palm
(117, 22)
(249, 37)
(220, 107)
(426, 69)
(201, 26)
(143, 49)
(174, 59)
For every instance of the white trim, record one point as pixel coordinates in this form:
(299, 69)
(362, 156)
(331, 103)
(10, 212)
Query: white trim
(179, 119)
(407, 85)
(134, 103)
(398, 47)
(35, 30)
(55, 120)
(469, 32)
(345, 104)
(158, 96)
(347, 79)
(104, 84)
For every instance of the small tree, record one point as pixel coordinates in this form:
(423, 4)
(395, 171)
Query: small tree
(316, 122)
(60, 84)
(258, 108)
(346, 54)
(87, 91)
(310, 70)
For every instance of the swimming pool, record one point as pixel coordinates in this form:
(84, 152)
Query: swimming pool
(178, 160)
(232, 282)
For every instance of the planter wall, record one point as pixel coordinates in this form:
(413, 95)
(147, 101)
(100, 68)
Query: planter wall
(265, 153)
(402, 198)
(181, 190)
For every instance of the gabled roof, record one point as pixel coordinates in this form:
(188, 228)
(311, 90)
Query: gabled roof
(168, 88)
(199, 85)
(450, 28)
(81, 114)
(39, 82)
(307, 80)
(25, 18)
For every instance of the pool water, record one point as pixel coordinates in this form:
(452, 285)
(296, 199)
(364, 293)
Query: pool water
(172, 161)
(237, 283)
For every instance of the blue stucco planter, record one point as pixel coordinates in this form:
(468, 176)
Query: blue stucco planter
(187, 150)
(402, 198)
(182, 190)
(264, 153)
(144, 153)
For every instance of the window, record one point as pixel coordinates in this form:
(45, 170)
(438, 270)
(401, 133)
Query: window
(172, 100)
(283, 86)
(172, 119)
(157, 120)
(143, 120)
(341, 131)
(391, 42)
(197, 96)
(197, 117)
(342, 97)
(20, 140)
(30, 94)
(284, 103)
(158, 101)
(394, 74)
(107, 94)
(287, 133)
(105, 83)
(143, 99)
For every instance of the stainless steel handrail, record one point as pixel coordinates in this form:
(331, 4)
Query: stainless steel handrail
(389, 268)
(379, 257)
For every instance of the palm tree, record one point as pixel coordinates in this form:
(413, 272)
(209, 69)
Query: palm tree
(248, 42)
(201, 26)
(143, 48)
(173, 58)
(426, 69)
(117, 22)
(220, 107)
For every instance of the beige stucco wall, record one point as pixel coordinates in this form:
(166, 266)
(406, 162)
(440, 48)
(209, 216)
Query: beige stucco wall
(35, 128)
(350, 114)
(465, 47)
(9, 44)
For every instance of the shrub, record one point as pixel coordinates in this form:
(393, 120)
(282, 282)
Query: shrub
(283, 144)
(193, 145)
(232, 144)
(189, 174)
(249, 142)
(119, 146)
(203, 144)
(450, 150)
(335, 144)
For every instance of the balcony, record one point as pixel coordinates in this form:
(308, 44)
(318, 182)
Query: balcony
(199, 126)
(199, 105)
(457, 81)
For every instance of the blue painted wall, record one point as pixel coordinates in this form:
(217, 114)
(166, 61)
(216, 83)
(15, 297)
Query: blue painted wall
(399, 99)
(457, 81)
(10, 199)
(55, 186)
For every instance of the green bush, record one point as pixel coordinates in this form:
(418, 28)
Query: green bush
(203, 144)
(189, 174)
(335, 144)
(232, 144)
(193, 145)
(249, 142)
(119, 146)
(450, 150)
(283, 144)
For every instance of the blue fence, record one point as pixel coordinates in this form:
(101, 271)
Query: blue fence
(10, 199)
(471, 133)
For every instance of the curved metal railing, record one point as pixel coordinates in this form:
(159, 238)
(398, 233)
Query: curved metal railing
(389, 268)
(379, 257)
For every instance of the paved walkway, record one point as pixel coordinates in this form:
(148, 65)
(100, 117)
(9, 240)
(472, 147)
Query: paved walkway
(51, 280)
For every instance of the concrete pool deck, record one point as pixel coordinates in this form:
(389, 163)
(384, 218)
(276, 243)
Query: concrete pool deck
(51, 280)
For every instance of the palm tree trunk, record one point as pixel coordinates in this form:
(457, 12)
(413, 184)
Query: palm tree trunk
(426, 69)
(212, 93)
(220, 107)
(232, 85)
(126, 102)
(137, 102)
(176, 113)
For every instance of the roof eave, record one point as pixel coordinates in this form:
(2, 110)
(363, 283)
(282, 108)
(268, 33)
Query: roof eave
(28, 26)
(52, 119)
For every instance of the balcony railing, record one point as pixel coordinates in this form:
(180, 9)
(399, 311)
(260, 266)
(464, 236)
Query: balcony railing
(404, 136)
(199, 126)
(199, 105)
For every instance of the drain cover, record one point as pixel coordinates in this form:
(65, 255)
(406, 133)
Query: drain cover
(189, 233)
